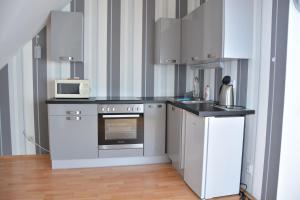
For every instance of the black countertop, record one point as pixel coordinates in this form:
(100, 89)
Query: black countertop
(201, 109)
(209, 109)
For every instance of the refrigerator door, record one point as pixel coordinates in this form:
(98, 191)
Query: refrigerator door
(224, 156)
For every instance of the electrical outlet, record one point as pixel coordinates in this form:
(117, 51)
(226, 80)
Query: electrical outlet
(250, 169)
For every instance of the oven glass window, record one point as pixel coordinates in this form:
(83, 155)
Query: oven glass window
(120, 129)
(68, 88)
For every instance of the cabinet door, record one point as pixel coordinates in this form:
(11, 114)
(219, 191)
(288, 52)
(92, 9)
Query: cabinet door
(196, 36)
(194, 151)
(154, 129)
(174, 135)
(66, 36)
(168, 36)
(73, 137)
(186, 39)
(213, 29)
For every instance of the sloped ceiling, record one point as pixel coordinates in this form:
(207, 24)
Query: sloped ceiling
(20, 21)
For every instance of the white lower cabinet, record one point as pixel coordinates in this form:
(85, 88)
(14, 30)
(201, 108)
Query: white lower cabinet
(213, 155)
(155, 129)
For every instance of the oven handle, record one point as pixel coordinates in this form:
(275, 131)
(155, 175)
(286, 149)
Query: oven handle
(120, 116)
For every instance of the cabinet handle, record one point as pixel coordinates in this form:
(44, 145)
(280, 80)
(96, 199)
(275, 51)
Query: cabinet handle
(66, 58)
(211, 56)
(195, 58)
(159, 106)
(173, 108)
(171, 60)
(73, 118)
(76, 112)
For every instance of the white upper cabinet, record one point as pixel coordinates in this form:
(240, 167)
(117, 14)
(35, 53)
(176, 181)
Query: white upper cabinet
(167, 41)
(218, 30)
(66, 36)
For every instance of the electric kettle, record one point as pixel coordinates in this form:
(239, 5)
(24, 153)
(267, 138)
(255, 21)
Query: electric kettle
(226, 96)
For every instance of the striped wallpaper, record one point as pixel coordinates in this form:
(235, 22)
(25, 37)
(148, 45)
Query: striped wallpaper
(123, 30)
(118, 60)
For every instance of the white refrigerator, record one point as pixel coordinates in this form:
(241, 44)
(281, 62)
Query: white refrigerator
(213, 155)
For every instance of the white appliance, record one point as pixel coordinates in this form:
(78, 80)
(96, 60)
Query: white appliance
(213, 155)
(73, 88)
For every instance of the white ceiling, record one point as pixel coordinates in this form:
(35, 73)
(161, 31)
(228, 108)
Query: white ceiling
(20, 21)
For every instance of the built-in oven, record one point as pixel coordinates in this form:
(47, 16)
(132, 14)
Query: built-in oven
(120, 126)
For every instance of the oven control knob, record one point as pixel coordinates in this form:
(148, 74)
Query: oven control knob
(113, 109)
(107, 109)
(128, 109)
(103, 109)
(137, 109)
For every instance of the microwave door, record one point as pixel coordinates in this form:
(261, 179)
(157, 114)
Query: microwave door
(68, 88)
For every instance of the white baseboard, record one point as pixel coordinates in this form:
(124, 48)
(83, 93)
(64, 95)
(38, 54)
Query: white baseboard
(108, 162)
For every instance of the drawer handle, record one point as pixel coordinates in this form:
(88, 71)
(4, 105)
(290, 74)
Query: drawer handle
(159, 106)
(77, 112)
(73, 118)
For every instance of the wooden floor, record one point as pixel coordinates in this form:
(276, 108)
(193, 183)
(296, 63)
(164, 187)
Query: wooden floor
(30, 178)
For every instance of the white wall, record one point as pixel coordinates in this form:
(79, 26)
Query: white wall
(257, 98)
(95, 45)
(21, 100)
(131, 48)
(22, 20)
(288, 183)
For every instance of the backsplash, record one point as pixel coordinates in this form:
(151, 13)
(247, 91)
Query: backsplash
(213, 75)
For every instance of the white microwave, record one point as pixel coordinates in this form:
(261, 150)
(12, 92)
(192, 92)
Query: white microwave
(72, 88)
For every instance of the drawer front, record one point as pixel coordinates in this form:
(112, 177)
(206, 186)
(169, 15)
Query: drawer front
(72, 109)
(115, 153)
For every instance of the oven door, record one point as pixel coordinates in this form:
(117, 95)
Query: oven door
(119, 131)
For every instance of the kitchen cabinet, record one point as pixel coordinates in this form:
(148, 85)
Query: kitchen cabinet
(167, 41)
(216, 31)
(192, 37)
(194, 153)
(155, 129)
(66, 36)
(213, 155)
(176, 137)
(73, 132)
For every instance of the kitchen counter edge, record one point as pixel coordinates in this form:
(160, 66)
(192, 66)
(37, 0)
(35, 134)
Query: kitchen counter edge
(203, 113)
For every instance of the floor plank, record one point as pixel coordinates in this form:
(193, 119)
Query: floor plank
(30, 178)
